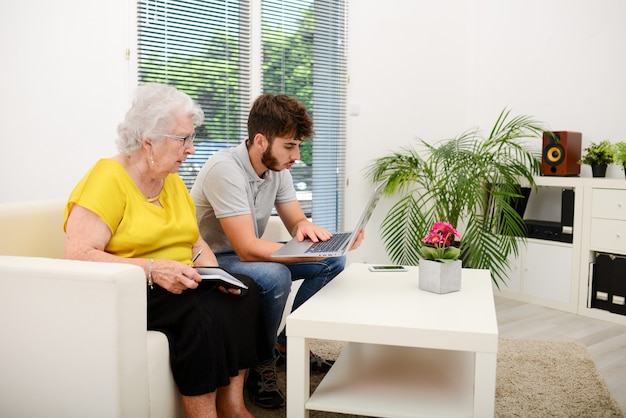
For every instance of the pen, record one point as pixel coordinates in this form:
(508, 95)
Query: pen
(196, 257)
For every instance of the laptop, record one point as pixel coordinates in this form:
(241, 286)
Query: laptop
(340, 242)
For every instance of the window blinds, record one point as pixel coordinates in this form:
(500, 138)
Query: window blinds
(204, 49)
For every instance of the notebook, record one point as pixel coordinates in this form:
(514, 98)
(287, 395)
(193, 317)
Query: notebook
(340, 242)
(221, 277)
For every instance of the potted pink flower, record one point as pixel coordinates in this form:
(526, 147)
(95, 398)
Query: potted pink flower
(439, 265)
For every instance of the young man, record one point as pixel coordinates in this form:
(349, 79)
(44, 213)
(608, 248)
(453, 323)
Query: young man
(234, 194)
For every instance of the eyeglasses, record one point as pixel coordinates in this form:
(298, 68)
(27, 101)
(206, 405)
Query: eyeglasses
(186, 140)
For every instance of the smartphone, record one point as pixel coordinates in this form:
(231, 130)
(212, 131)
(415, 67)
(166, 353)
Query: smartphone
(387, 268)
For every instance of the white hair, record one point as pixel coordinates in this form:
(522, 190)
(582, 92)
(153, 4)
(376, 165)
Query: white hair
(153, 113)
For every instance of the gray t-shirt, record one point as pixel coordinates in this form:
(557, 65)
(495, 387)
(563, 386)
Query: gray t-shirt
(227, 185)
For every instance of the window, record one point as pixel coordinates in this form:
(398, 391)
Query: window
(202, 48)
(205, 48)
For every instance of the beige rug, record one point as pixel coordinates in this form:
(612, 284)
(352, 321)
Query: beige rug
(534, 379)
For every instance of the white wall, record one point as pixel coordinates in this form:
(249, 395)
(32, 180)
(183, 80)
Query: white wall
(408, 78)
(438, 68)
(418, 68)
(64, 88)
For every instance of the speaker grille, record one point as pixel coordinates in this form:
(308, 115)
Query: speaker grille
(553, 154)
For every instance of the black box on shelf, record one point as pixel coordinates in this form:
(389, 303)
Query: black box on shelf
(608, 287)
(562, 231)
(551, 231)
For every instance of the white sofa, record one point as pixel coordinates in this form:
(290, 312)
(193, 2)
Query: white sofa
(74, 339)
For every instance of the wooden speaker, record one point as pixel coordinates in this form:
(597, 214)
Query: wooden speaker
(561, 153)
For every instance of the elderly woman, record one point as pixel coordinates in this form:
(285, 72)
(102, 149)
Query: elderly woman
(134, 208)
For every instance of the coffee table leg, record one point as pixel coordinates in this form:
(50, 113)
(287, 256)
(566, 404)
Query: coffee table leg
(298, 377)
(485, 384)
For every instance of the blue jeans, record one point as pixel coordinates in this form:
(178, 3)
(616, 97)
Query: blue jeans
(275, 279)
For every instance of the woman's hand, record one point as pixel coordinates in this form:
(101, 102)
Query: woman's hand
(206, 257)
(174, 276)
(177, 277)
(230, 290)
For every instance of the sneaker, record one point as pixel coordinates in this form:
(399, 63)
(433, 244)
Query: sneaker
(263, 387)
(318, 364)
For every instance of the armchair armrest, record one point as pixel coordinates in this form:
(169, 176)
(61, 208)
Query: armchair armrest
(74, 338)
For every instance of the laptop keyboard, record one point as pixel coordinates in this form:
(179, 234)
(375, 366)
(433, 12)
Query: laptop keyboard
(333, 244)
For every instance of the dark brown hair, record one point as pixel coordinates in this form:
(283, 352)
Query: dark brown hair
(279, 115)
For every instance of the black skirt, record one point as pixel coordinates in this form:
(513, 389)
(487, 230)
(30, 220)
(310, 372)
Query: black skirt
(211, 335)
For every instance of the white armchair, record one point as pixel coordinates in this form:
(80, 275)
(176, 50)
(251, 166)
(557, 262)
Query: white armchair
(74, 333)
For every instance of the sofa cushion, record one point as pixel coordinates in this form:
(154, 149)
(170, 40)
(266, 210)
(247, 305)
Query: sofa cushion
(32, 228)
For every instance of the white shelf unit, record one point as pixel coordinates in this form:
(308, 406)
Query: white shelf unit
(546, 272)
(604, 230)
(556, 274)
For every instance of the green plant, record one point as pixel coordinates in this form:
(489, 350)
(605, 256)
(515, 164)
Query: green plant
(471, 179)
(600, 153)
(619, 154)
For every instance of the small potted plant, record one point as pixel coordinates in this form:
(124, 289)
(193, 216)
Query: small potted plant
(598, 156)
(439, 264)
(619, 154)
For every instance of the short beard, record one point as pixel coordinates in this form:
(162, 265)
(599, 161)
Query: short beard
(269, 160)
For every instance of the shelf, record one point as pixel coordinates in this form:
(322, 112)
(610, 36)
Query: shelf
(603, 315)
(569, 182)
(552, 276)
(556, 181)
(549, 242)
(393, 381)
(542, 274)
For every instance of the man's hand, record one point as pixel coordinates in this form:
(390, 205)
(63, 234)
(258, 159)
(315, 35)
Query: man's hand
(315, 233)
(359, 239)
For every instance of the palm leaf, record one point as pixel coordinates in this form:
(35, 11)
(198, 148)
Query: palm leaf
(401, 243)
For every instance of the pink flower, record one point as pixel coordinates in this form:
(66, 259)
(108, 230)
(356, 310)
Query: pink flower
(441, 234)
(439, 243)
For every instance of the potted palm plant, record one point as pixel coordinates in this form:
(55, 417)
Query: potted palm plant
(469, 179)
(619, 154)
(598, 155)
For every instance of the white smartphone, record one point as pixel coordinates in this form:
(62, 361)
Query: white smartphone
(387, 268)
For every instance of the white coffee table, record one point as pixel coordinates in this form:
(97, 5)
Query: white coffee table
(410, 353)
